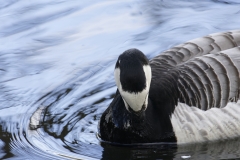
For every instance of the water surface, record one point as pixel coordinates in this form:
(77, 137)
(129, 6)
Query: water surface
(56, 71)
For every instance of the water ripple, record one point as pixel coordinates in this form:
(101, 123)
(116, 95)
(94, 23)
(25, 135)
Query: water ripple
(56, 71)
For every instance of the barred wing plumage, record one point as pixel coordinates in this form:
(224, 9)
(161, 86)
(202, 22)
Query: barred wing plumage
(207, 68)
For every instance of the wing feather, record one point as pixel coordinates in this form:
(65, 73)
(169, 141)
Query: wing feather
(207, 68)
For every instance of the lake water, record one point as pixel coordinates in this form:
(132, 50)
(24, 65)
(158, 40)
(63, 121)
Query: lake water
(56, 71)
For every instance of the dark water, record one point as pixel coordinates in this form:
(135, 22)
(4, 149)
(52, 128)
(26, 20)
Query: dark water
(56, 71)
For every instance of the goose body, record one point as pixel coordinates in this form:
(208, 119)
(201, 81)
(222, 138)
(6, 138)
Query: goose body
(186, 94)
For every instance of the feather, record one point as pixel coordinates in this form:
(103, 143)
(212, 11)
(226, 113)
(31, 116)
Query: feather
(208, 69)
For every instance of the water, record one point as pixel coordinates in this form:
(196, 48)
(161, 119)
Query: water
(56, 71)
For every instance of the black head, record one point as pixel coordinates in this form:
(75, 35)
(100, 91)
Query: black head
(133, 77)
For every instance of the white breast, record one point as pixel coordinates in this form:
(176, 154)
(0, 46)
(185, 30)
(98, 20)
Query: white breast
(193, 125)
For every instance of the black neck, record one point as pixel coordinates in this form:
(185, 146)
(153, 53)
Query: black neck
(122, 126)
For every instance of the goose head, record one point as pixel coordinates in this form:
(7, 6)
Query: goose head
(133, 77)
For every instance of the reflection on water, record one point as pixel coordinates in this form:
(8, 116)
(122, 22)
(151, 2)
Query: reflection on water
(217, 150)
(56, 71)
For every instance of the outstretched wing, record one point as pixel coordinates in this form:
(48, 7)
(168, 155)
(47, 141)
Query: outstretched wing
(208, 69)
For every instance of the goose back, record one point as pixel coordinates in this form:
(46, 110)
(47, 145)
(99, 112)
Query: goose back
(207, 70)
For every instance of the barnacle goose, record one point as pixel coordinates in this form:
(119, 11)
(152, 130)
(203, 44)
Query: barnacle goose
(186, 94)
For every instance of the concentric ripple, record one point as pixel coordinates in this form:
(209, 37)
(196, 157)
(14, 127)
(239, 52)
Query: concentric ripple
(56, 71)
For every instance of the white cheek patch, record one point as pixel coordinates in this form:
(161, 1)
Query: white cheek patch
(148, 74)
(117, 76)
(135, 100)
